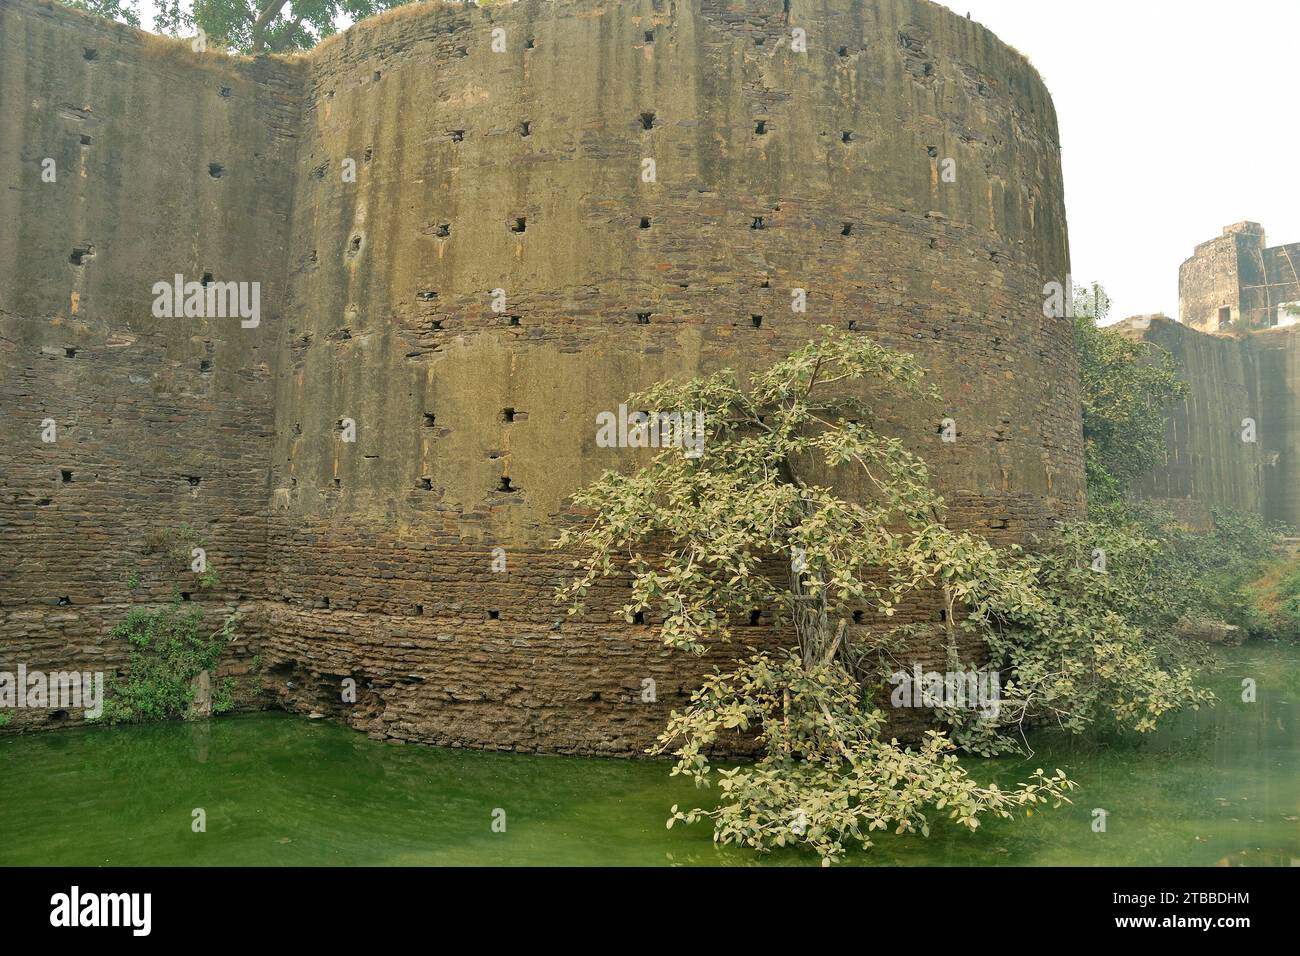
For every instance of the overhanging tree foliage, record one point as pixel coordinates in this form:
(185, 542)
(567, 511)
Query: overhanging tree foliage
(755, 522)
(245, 26)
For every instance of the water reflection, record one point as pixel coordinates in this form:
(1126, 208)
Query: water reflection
(1217, 787)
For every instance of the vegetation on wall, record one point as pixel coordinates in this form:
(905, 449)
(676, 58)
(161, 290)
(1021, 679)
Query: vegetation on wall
(1230, 574)
(169, 649)
(168, 646)
(755, 524)
(1126, 389)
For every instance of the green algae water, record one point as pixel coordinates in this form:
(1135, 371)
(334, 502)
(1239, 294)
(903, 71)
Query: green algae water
(1219, 786)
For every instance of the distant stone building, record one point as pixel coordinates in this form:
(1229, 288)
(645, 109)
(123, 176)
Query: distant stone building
(1234, 440)
(1236, 281)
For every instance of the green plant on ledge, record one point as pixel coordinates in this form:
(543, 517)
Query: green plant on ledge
(168, 651)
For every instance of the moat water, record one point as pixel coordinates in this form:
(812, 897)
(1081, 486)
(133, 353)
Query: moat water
(1218, 786)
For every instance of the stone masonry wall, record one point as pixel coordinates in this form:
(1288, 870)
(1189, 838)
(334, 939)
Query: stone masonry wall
(163, 161)
(1231, 379)
(521, 171)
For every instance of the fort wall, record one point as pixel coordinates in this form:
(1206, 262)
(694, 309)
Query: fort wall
(903, 171)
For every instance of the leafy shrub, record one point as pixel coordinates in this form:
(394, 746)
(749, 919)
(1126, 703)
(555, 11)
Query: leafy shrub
(168, 650)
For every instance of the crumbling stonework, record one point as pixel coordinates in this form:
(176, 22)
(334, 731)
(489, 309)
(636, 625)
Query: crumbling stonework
(903, 171)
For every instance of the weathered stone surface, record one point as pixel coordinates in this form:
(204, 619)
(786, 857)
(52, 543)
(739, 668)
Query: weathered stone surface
(1233, 380)
(1236, 278)
(1209, 632)
(476, 171)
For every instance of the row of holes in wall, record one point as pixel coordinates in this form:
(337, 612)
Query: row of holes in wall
(647, 36)
(638, 617)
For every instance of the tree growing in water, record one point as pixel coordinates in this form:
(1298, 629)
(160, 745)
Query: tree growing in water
(754, 522)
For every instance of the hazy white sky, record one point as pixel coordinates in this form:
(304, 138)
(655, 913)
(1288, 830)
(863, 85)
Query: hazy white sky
(1175, 121)
(1177, 118)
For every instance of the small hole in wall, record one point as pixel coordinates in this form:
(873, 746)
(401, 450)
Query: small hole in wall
(758, 223)
(457, 135)
(760, 128)
(207, 279)
(941, 615)
(368, 155)
(645, 222)
(205, 365)
(377, 74)
(649, 36)
(507, 415)
(444, 230)
(426, 295)
(512, 320)
(85, 140)
(80, 254)
(223, 92)
(933, 151)
(417, 610)
(758, 41)
(529, 44)
(638, 617)
(853, 325)
(643, 318)
(89, 53)
(426, 484)
(70, 352)
(520, 224)
(765, 284)
(216, 170)
(435, 325)
(58, 715)
(354, 245)
(194, 480)
(647, 120)
(185, 595)
(64, 601)
(756, 320)
(325, 601)
(857, 617)
(526, 128)
(494, 615)
(429, 419)
(754, 618)
(843, 51)
(846, 136)
(847, 230)
(338, 482)
(505, 485)
(66, 475)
